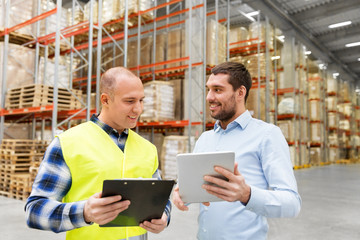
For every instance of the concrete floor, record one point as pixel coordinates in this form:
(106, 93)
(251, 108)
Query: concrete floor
(330, 210)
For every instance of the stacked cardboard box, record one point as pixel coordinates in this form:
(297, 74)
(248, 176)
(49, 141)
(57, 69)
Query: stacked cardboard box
(172, 146)
(159, 101)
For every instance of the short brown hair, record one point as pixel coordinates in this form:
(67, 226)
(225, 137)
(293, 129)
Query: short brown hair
(238, 75)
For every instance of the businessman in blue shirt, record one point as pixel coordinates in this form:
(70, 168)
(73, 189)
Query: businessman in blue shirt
(262, 184)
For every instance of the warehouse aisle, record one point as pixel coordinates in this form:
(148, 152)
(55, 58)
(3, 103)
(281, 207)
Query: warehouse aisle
(330, 210)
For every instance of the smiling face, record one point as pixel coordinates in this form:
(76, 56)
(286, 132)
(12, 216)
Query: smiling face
(226, 104)
(123, 104)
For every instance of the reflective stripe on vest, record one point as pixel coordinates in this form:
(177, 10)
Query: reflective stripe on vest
(92, 157)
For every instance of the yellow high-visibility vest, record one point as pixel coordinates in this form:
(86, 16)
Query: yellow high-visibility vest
(92, 157)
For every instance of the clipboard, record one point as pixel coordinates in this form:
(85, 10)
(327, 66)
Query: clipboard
(192, 167)
(148, 199)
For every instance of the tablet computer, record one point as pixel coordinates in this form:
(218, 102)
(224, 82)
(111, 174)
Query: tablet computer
(192, 167)
(148, 199)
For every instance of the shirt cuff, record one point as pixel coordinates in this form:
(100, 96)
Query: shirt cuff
(77, 215)
(256, 201)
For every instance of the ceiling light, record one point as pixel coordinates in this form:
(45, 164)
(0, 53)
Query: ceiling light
(352, 44)
(275, 57)
(307, 52)
(251, 14)
(358, 59)
(335, 75)
(341, 24)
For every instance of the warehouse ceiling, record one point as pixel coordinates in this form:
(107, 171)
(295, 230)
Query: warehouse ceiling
(310, 19)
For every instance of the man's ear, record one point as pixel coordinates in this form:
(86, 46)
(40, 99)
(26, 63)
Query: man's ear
(241, 92)
(104, 99)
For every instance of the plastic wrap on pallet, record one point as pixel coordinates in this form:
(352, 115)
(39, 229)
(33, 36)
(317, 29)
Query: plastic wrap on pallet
(332, 120)
(48, 25)
(333, 154)
(175, 47)
(211, 39)
(333, 139)
(315, 156)
(254, 29)
(79, 14)
(316, 112)
(332, 86)
(239, 34)
(331, 103)
(316, 133)
(48, 77)
(315, 90)
(172, 146)
(111, 9)
(159, 101)
(20, 66)
(134, 6)
(287, 106)
(20, 11)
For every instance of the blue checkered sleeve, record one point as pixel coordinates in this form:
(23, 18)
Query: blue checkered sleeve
(44, 207)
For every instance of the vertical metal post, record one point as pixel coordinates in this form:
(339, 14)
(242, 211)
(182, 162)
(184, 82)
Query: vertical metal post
(190, 73)
(258, 80)
(37, 45)
(228, 31)
(4, 66)
(267, 66)
(126, 32)
(216, 31)
(56, 68)
(90, 50)
(138, 42)
(98, 62)
(154, 42)
(204, 67)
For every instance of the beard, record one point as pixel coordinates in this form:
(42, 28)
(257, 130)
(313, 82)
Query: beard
(228, 111)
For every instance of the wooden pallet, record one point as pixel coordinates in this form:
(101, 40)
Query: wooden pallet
(20, 186)
(36, 95)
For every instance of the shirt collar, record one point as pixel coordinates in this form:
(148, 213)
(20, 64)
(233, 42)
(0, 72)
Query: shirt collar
(241, 121)
(105, 127)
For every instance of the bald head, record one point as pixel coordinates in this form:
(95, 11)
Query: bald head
(115, 76)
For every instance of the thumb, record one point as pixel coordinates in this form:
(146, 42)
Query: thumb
(236, 170)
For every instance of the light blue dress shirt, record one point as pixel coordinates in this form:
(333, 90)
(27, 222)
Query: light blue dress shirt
(263, 158)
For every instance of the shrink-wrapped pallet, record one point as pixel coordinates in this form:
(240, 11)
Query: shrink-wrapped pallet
(315, 89)
(331, 103)
(132, 59)
(332, 120)
(47, 76)
(287, 128)
(48, 25)
(316, 132)
(315, 110)
(333, 139)
(111, 9)
(258, 30)
(215, 33)
(160, 49)
(20, 66)
(157, 140)
(332, 86)
(79, 14)
(134, 6)
(19, 12)
(172, 146)
(175, 47)
(252, 61)
(252, 103)
(159, 101)
(315, 156)
(239, 37)
(333, 154)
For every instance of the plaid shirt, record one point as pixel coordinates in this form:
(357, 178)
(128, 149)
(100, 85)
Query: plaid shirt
(44, 207)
